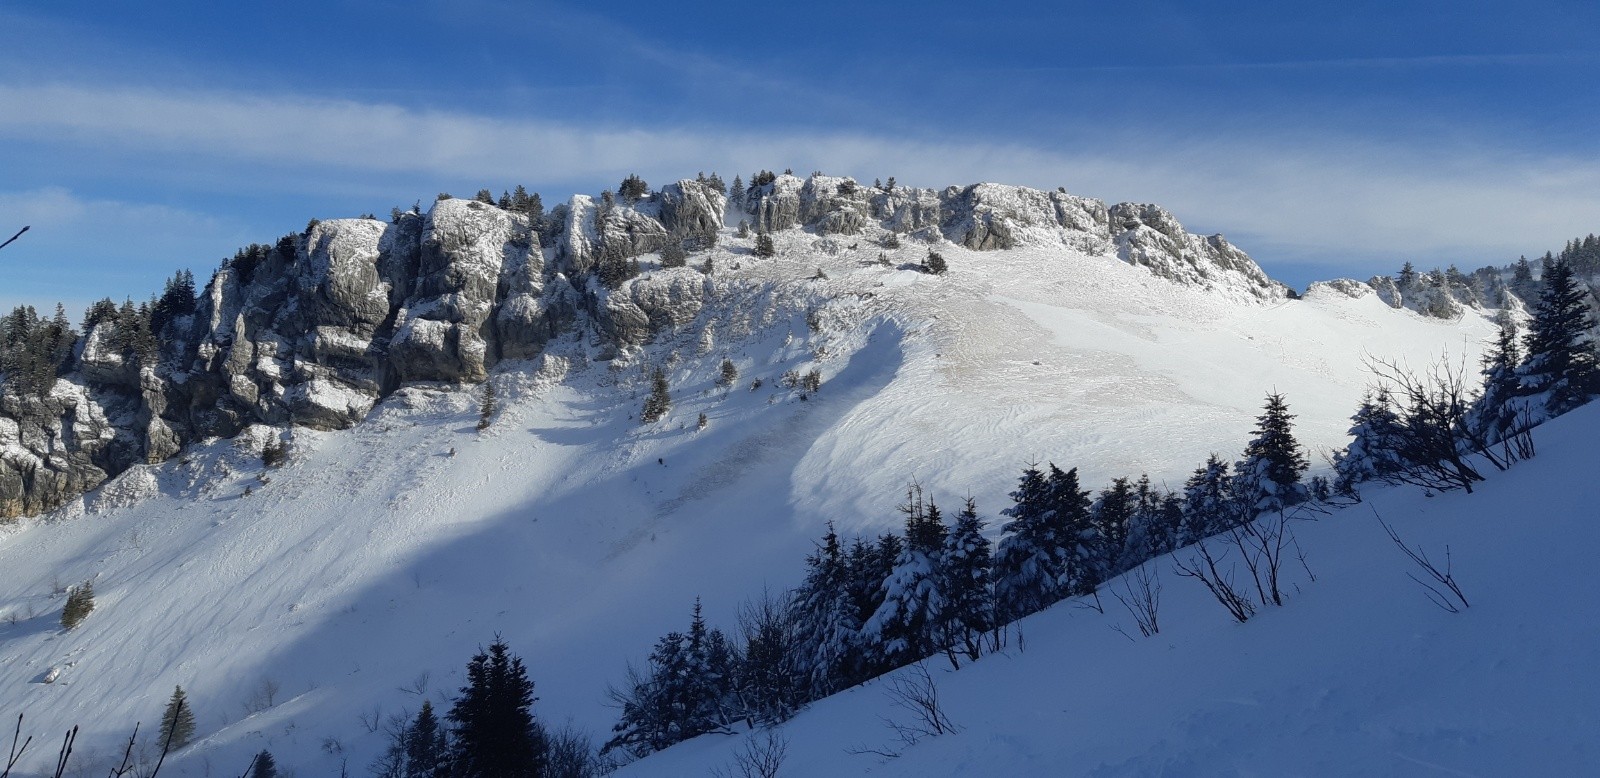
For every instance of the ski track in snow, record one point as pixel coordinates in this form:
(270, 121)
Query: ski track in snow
(374, 556)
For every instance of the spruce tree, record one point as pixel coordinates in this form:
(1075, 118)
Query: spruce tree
(660, 399)
(902, 629)
(826, 619)
(495, 734)
(80, 601)
(728, 374)
(764, 246)
(1208, 505)
(1561, 363)
(1268, 478)
(487, 408)
(1028, 566)
(967, 569)
(264, 765)
(1494, 413)
(1374, 449)
(177, 721)
(1112, 520)
(427, 752)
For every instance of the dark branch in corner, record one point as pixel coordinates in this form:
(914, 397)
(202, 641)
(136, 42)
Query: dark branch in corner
(14, 237)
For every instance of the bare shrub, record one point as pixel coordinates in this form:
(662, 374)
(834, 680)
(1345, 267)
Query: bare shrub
(1141, 595)
(1443, 590)
(1202, 566)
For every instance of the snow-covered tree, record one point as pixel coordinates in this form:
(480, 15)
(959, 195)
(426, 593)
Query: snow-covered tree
(1029, 566)
(660, 399)
(902, 629)
(686, 692)
(1561, 362)
(1495, 412)
(1208, 504)
(1268, 478)
(826, 618)
(969, 608)
(1112, 519)
(1374, 451)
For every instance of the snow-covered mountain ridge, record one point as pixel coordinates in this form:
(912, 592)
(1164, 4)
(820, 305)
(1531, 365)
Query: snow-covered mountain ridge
(399, 545)
(315, 330)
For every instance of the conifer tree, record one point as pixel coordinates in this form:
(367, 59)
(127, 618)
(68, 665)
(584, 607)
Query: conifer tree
(728, 374)
(1029, 566)
(764, 246)
(427, 751)
(177, 721)
(1561, 362)
(80, 601)
(1374, 449)
(495, 734)
(265, 766)
(736, 195)
(967, 568)
(1268, 478)
(660, 399)
(826, 619)
(902, 629)
(1208, 505)
(487, 408)
(1112, 519)
(1494, 413)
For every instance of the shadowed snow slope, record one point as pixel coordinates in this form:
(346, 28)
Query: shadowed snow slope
(1357, 674)
(381, 557)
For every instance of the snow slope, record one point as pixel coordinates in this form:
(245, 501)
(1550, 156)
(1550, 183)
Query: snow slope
(1357, 674)
(395, 549)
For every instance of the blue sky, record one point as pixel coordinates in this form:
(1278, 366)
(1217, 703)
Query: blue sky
(1332, 139)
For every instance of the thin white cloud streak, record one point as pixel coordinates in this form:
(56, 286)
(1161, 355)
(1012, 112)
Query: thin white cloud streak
(1304, 197)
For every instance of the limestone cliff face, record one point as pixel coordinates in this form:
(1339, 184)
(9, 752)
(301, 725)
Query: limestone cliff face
(318, 329)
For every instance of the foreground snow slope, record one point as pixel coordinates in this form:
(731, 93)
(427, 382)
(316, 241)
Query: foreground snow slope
(376, 555)
(1358, 674)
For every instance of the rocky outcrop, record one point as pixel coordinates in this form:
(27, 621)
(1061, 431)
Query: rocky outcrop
(983, 217)
(776, 206)
(319, 327)
(1148, 236)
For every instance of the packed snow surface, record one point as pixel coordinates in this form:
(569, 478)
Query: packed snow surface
(364, 573)
(1357, 674)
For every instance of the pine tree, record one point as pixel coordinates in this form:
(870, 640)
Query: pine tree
(764, 246)
(1029, 566)
(484, 196)
(728, 374)
(1208, 506)
(487, 408)
(902, 629)
(935, 264)
(736, 195)
(1494, 413)
(1561, 362)
(80, 601)
(688, 691)
(426, 750)
(265, 766)
(1112, 520)
(495, 734)
(1268, 478)
(177, 722)
(1374, 449)
(633, 189)
(660, 399)
(967, 568)
(826, 619)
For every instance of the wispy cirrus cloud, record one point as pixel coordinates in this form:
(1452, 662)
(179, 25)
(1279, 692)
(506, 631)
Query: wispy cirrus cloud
(1301, 196)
